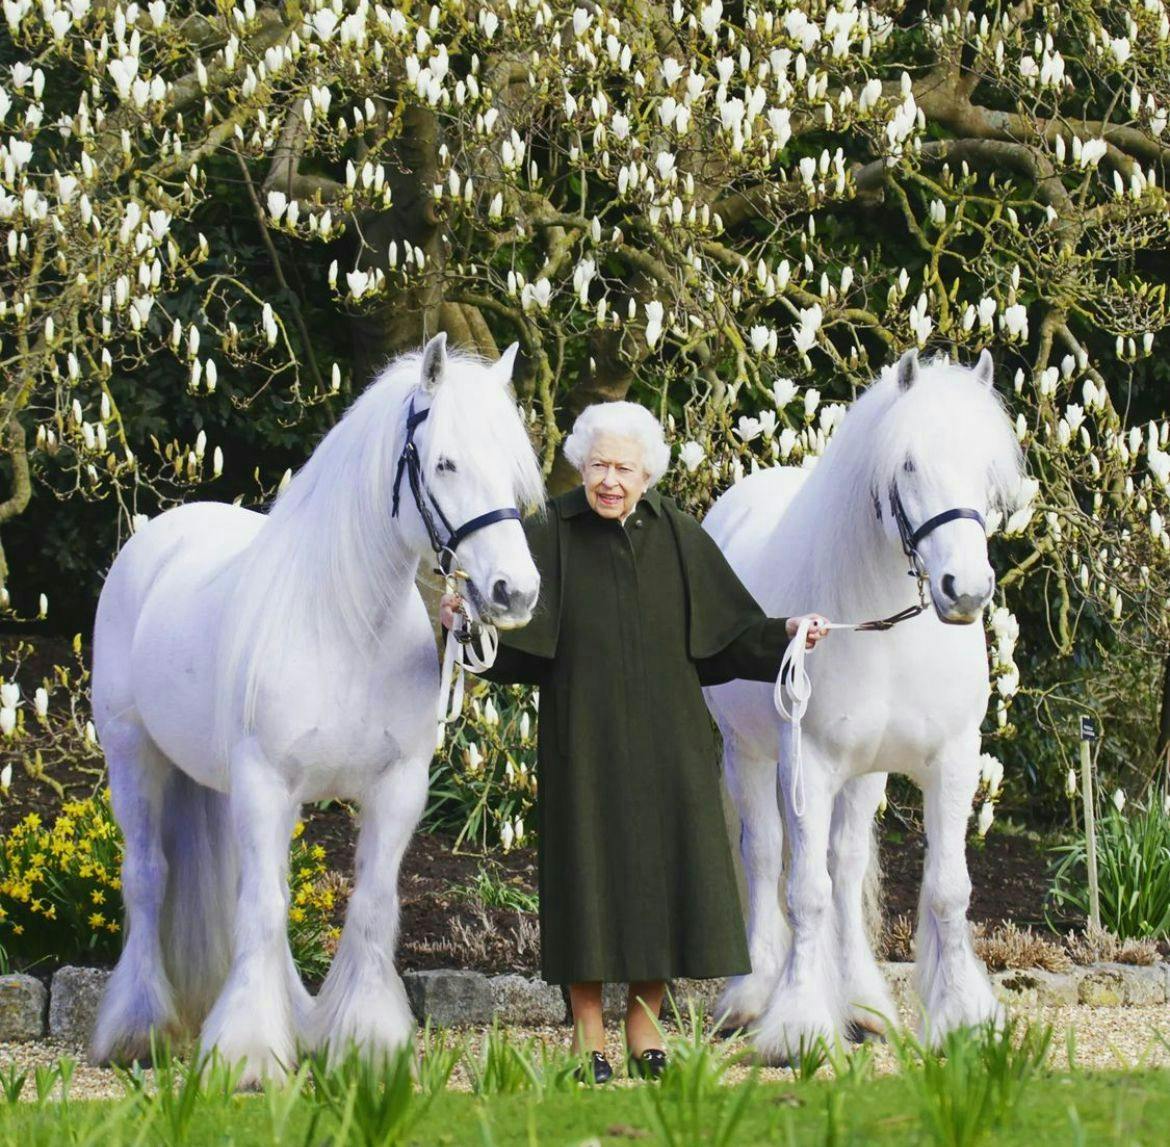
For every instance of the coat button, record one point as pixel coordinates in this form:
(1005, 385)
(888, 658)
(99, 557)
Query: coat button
(638, 523)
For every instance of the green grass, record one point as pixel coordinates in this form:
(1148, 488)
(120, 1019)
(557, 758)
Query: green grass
(986, 1088)
(1132, 1108)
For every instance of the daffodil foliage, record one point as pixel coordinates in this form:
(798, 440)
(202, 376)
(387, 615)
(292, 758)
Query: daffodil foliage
(735, 213)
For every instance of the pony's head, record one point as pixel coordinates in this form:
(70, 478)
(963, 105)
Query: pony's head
(474, 458)
(946, 445)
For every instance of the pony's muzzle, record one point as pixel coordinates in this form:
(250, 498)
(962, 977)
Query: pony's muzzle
(512, 606)
(957, 605)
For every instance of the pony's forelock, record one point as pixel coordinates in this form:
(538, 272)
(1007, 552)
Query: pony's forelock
(947, 421)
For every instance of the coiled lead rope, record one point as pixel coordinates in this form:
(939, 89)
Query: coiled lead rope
(794, 687)
(459, 657)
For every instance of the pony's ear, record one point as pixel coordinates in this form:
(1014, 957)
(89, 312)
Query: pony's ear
(907, 369)
(434, 363)
(506, 364)
(985, 369)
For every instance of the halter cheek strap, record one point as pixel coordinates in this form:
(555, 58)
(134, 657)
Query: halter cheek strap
(410, 464)
(911, 538)
(458, 655)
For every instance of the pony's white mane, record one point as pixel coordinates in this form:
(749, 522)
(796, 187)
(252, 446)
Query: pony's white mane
(330, 558)
(947, 423)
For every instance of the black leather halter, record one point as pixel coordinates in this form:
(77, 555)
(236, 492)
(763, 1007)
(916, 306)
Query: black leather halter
(911, 537)
(410, 463)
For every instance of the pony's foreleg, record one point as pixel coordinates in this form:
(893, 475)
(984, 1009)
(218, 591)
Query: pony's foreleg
(752, 784)
(363, 1001)
(952, 982)
(806, 1004)
(252, 1020)
(139, 997)
(868, 1003)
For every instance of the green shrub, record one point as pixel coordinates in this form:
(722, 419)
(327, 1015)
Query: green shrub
(1133, 867)
(483, 782)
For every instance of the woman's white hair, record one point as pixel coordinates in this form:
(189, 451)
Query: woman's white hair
(622, 420)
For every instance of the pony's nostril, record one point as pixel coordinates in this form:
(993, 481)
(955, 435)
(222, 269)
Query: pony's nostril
(948, 586)
(501, 594)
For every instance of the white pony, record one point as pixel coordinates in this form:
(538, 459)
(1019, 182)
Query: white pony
(245, 663)
(839, 538)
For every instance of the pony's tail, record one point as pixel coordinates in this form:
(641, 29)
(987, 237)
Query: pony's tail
(198, 911)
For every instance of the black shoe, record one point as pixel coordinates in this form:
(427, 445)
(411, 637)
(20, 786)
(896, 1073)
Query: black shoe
(649, 1065)
(598, 1066)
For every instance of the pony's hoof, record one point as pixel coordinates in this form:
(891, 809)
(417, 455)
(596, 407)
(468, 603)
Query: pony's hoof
(857, 1032)
(731, 1028)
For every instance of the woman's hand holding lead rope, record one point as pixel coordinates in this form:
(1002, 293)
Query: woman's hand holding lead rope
(460, 654)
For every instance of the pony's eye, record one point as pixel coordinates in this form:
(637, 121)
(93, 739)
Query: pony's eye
(445, 466)
(909, 466)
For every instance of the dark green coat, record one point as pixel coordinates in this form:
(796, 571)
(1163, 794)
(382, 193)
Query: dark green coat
(636, 874)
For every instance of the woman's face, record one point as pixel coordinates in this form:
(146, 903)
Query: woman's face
(615, 477)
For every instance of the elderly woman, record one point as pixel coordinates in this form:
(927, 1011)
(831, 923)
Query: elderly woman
(639, 609)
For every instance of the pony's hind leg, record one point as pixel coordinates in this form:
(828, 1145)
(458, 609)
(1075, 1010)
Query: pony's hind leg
(252, 1020)
(363, 1002)
(138, 999)
(852, 864)
(952, 982)
(752, 784)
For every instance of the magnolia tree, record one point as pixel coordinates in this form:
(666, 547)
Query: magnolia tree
(734, 215)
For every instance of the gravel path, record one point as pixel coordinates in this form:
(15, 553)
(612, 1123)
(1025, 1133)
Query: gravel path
(1106, 1039)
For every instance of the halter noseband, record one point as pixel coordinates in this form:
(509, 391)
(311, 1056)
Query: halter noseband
(429, 509)
(911, 538)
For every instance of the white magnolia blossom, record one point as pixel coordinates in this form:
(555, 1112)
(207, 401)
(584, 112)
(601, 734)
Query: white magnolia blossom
(747, 428)
(991, 774)
(986, 817)
(654, 313)
(691, 454)
(1092, 152)
(810, 323)
(783, 392)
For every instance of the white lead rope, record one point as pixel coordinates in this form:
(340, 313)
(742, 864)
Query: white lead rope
(459, 657)
(794, 688)
(791, 695)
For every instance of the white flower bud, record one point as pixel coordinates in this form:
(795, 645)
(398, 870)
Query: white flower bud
(986, 816)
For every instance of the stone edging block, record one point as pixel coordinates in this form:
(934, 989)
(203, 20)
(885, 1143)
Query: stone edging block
(23, 1006)
(458, 998)
(75, 994)
(449, 998)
